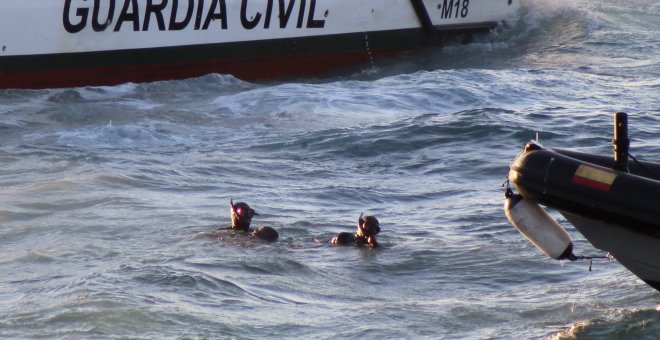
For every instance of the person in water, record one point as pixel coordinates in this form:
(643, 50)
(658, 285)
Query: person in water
(367, 229)
(241, 217)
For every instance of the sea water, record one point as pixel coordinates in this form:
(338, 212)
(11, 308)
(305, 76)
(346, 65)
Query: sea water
(109, 196)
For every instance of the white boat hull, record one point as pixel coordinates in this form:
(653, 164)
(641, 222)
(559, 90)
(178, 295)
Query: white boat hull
(638, 253)
(126, 40)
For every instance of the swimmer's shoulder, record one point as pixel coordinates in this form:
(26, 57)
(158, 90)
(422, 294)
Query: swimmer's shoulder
(266, 233)
(343, 238)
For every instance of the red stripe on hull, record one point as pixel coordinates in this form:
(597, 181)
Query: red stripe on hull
(276, 67)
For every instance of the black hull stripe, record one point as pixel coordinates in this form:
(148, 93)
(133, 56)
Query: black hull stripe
(195, 60)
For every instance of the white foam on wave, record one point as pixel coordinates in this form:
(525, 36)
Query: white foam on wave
(109, 135)
(540, 24)
(106, 92)
(550, 6)
(538, 10)
(126, 95)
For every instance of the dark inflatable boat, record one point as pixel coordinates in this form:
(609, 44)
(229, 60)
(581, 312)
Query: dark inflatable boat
(614, 203)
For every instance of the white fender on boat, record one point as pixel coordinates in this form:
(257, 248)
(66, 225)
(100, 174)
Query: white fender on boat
(538, 227)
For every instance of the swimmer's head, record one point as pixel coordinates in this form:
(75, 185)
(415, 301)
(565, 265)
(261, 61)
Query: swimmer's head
(368, 228)
(241, 215)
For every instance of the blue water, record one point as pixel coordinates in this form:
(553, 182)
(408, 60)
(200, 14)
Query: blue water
(109, 195)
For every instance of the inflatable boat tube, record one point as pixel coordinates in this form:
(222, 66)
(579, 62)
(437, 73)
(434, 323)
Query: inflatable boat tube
(586, 185)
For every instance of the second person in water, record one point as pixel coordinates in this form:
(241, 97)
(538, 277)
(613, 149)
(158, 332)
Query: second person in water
(367, 229)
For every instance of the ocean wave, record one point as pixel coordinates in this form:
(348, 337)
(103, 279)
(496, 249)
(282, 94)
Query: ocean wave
(111, 196)
(113, 136)
(620, 324)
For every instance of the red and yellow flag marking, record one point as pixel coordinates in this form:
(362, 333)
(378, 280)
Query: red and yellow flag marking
(594, 177)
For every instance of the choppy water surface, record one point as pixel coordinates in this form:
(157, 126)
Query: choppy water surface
(108, 194)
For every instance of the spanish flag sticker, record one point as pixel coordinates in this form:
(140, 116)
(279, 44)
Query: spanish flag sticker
(594, 177)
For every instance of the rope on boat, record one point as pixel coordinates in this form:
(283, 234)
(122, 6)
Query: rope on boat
(591, 258)
(649, 172)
